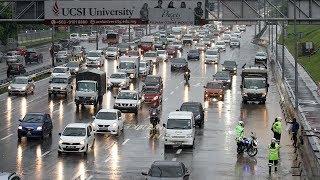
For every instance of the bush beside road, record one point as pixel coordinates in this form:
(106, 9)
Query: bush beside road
(310, 33)
(37, 42)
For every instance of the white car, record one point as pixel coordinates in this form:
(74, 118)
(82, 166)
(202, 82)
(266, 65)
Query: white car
(108, 121)
(201, 46)
(95, 58)
(212, 56)
(237, 33)
(112, 53)
(171, 38)
(235, 42)
(226, 38)
(60, 71)
(74, 36)
(261, 57)
(221, 45)
(144, 68)
(84, 37)
(60, 85)
(162, 55)
(76, 137)
(21, 85)
(119, 79)
(151, 56)
(128, 101)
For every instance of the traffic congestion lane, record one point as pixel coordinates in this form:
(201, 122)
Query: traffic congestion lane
(127, 155)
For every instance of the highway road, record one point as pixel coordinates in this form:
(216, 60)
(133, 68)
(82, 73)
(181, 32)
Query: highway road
(127, 155)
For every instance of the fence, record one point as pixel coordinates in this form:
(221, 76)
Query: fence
(34, 36)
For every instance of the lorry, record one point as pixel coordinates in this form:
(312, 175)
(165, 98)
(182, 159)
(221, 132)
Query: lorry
(254, 84)
(111, 38)
(146, 43)
(90, 87)
(129, 65)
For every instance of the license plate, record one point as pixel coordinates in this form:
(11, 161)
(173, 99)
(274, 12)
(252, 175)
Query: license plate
(178, 143)
(70, 147)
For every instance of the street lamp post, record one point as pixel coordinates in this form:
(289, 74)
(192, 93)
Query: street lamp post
(295, 56)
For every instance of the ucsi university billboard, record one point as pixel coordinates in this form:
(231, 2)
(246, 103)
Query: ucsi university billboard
(108, 12)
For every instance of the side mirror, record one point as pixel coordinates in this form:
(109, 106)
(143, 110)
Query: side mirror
(89, 135)
(164, 125)
(241, 86)
(187, 174)
(117, 67)
(205, 86)
(93, 117)
(59, 134)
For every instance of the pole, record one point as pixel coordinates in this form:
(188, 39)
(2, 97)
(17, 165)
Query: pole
(255, 30)
(272, 47)
(295, 55)
(51, 49)
(129, 33)
(283, 31)
(277, 42)
(97, 41)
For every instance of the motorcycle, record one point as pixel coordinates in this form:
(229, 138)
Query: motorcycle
(154, 119)
(248, 145)
(187, 77)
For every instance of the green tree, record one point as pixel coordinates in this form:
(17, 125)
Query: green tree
(7, 29)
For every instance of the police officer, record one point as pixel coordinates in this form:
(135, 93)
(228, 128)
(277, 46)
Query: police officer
(273, 155)
(239, 133)
(277, 129)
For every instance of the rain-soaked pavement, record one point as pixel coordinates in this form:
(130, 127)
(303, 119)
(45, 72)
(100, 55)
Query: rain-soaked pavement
(124, 157)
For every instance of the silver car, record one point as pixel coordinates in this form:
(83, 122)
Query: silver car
(119, 79)
(23, 85)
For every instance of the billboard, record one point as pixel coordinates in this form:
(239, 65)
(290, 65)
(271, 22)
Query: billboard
(184, 12)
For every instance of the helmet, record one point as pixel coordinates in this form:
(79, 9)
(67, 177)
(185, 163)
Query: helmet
(241, 123)
(278, 118)
(273, 140)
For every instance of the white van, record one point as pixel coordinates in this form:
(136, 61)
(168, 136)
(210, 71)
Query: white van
(180, 129)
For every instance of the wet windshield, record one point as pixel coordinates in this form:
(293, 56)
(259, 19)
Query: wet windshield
(93, 54)
(20, 81)
(213, 85)
(220, 43)
(106, 115)
(86, 86)
(261, 54)
(149, 54)
(254, 83)
(191, 108)
(179, 124)
(72, 64)
(127, 95)
(59, 80)
(33, 118)
(166, 171)
(59, 70)
(118, 76)
(151, 90)
(112, 49)
(222, 75)
(74, 132)
(229, 63)
(126, 65)
(161, 52)
(150, 79)
(143, 65)
(193, 51)
(62, 53)
(212, 52)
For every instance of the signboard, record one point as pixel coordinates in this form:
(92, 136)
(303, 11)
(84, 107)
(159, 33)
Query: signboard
(186, 12)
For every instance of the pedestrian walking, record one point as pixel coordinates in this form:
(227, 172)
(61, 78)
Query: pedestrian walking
(294, 130)
(273, 156)
(277, 129)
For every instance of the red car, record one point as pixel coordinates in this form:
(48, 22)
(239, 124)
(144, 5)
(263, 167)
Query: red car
(172, 52)
(152, 95)
(22, 50)
(214, 90)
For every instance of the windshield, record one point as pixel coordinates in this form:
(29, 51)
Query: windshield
(86, 86)
(113, 36)
(213, 85)
(149, 54)
(127, 95)
(118, 76)
(220, 43)
(112, 49)
(191, 108)
(74, 132)
(59, 80)
(193, 51)
(151, 90)
(143, 64)
(261, 54)
(213, 52)
(107, 115)
(62, 53)
(166, 171)
(171, 36)
(33, 118)
(229, 63)
(77, 48)
(72, 64)
(161, 52)
(179, 61)
(234, 40)
(126, 65)
(59, 70)
(93, 54)
(20, 81)
(254, 83)
(179, 124)
(150, 79)
(221, 75)
(187, 37)
(133, 53)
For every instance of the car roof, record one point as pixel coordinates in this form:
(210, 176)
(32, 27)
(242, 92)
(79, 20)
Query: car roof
(191, 103)
(129, 91)
(78, 125)
(223, 73)
(180, 115)
(168, 163)
(119, 73)
(21, 77)
(108, 110)
(36, 113)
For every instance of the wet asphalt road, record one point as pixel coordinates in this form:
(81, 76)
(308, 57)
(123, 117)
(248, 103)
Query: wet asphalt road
(124, 157)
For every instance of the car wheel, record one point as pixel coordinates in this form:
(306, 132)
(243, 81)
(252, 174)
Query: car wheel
(9, 94)
(245, 101)
(26, 94)
(166, 146)
(19, 137)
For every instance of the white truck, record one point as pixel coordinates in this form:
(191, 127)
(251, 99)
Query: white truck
(129, 65)
(60, 85)
(254, 84)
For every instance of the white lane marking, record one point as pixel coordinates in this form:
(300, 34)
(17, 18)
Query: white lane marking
(90, 177)
(137, 127)
(174, 159)
(108, 159)
(165, 99)
(178, 151)
(171, 92)
(141, 127)
(177, 87)
(6, 137)
(46, 153)
(181, 82)
(125, 141)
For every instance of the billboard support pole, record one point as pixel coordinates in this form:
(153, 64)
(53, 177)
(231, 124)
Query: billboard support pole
(283, 31)
(295, 56)
(276, 41)
(52, 43)
(129, 33)
(97, 41)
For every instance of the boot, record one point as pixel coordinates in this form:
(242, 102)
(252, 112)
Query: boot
(276, 168)
(270, 169)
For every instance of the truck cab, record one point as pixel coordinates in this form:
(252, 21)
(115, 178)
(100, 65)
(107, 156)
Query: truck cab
(60, 85)
(254, 84)
(146, 43)
(129, 65)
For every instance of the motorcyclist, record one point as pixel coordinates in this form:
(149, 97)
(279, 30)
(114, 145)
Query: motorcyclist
(273, 156)
(154, 112)
(187, 74)
(239, 133)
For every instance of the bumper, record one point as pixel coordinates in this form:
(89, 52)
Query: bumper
(234, 45)
(93, 64)
(85, 101)
(211, 61)
(254, 98)
(55, 91)
(178, 67)
(72, 148)
(232, 71)
(260, 60)
(193, 58)
(110, 56)
(178, 141)
(213, 95)
(33, 133)
(17, 91)
(105, 129)
(129, 109)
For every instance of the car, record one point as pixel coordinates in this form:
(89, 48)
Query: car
(179, 64)
(84, 37)
(112, 53)
(74, 67)
(76, 138)
(224, 78)
(95, 58)
(60, 84)
(108, 121)
(221, 45)
(60, 71)
(21, 85)
(167, 170)
(63, 56)
(234, 42)
(118, 79)
(178, 45)
(226, 38)
(230, 66)
(13, 57)
(35, 125)
(242, 28)
(159, 45)
(15, 69)
(212, 56)
(133, 53)
(78, 52)
(123, 48)
(152, 57)
(151, 94)
(207, 42)
(237, 33)
(93, 38)
(261, 57)
(187, 39)
(144, 68)
(128, 101)
(197, 111)
(9, 176)
(213, 90)
(162, 55)
(193, 54)
(172, 51)
(153, 81)
(200, 46)
(171, 38)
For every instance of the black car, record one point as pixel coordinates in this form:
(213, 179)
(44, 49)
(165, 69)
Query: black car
(197, 110)
(123, 48)
(179, 64)
(15, 69)
(167, 170)
(159, 45)
(33, 56)
(153, 81)
(223, 77)
(193, 54)
(35, 125)
(230, 66)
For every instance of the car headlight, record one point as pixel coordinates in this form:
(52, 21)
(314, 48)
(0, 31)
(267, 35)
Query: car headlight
(234, 68)
(189, 135)
(82, 142)
(223, 68)
(264, 94)
(19, 127)
(115, 125)
(76, 69)
(60, 141)
(23, 88)
(228, 80)
(39, 128)
(131, 75)
(61, 88)
(9, 87)
(244, 94)
(134, 105)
